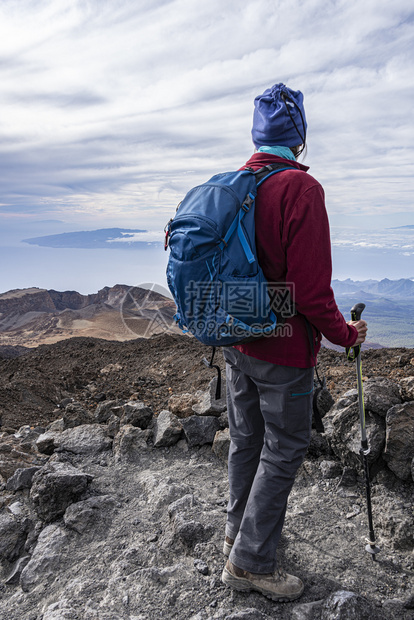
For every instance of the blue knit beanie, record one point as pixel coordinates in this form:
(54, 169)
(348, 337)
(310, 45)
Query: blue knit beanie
(272, 123)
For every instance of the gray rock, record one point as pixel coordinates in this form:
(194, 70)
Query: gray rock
(106, 409)
(407, 388)
(168, 429)
(56, 426)
(60, 611)
(113, 425)
(46, 560)
(85, 439)
(330, 469)
(221, 444)
(208, 405)
(200, 430)
(307, 611)
(399, 447)
(14, 575)
(13, 534)
(346, 435)
(381, 394)
(55, 486)
(344, 605)
(22, 478)
(201, 566)
(75, 415)
(83, 515)
(129, 444)
(351, 396)
(136, 413)
(189, 531)
(45, 443)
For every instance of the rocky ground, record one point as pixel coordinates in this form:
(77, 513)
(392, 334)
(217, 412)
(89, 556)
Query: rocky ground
(116, 510)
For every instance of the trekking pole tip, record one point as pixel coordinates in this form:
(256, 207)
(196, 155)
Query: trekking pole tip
(373, 550)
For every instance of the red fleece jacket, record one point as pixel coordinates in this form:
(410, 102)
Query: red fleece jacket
(293, 246)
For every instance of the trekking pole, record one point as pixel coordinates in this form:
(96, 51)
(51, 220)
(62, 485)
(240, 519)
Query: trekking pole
(355, 354)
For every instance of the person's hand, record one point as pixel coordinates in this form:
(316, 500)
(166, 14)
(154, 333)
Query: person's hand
(362, 328)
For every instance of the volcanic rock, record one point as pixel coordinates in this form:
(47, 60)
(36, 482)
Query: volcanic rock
(54, 487)
(399, 447)
(46, 559)
(380, 394)
(167, 430)
(200, 430)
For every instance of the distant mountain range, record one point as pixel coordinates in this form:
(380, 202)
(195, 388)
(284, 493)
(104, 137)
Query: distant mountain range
(389, 308)
(401, 289)
(107, 238)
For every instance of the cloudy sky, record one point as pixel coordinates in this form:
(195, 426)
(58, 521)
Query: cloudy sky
(110, 110)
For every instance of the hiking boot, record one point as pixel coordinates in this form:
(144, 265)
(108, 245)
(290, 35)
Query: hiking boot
(227, 546)
(278, 586)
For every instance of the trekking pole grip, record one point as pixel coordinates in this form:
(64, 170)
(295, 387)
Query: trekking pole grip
(356, 311)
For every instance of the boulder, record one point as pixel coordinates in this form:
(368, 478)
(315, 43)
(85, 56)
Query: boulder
(55, 486)
(13, 534)
(346, 435)
(84, 515)
(129, 444)
(208, 405)
(200, 430)
(381, 394)
(16, 570)
(168, 429)
(136, 413)
(399, 446)
(407, 388)
(345, 605)
(75, 415)
(85, 439)
(22, 478)
(14, 456)
(106, 409)
(46, 442)
(221, 444)
(46, 559)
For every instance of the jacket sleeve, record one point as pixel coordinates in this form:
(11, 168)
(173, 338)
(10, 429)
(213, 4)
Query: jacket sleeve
(309, 266)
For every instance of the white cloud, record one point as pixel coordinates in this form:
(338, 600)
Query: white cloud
(118, 108)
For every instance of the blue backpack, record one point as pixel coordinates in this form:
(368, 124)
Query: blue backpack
(213, 272)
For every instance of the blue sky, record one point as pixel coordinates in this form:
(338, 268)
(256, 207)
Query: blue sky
(110, 110)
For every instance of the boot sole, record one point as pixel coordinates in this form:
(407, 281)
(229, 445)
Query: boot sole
(244, 585)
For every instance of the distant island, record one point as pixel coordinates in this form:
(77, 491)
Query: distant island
(104, 238)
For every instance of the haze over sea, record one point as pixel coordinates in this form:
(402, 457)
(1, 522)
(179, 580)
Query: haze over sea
(357, 254)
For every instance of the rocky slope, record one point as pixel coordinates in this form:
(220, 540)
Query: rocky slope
(113, 460)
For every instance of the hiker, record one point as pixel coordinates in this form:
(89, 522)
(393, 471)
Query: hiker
(270, 380)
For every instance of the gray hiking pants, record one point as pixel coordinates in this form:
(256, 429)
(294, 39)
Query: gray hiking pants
(270, 418)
